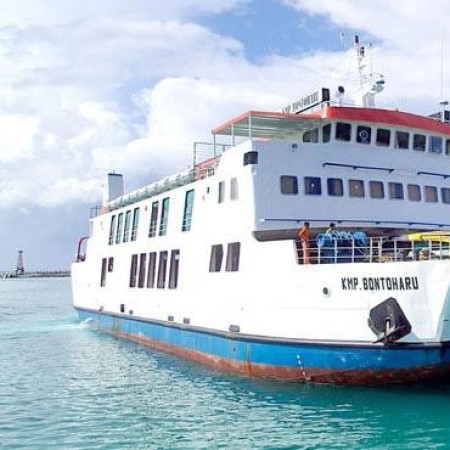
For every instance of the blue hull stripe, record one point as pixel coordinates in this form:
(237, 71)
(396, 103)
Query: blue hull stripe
(287, 353)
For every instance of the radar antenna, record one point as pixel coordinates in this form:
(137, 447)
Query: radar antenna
(370, 83)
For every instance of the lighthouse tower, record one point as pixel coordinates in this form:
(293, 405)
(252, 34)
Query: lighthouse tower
(20, 269)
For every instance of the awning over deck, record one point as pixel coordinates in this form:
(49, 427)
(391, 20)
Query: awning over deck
(270, 125)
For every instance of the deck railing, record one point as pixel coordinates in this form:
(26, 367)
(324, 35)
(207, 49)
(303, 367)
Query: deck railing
(371, 250)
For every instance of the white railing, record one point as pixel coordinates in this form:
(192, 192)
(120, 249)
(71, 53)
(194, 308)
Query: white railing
(334, 250)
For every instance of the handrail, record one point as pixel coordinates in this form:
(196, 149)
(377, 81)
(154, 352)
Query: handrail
(373, 250)
(81, 256)
(357, 166)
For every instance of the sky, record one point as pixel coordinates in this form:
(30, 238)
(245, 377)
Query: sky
(93, 86)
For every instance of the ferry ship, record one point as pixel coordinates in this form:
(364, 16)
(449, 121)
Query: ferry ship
(207, 264)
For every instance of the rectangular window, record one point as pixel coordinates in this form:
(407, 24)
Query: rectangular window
(376, 189)
(447, 146)
(414, 193)
(215, 261)
(174, 265)
(356, 188)
(396, 191)
(112, 230)
(119, 229)
(401, 139)
(313, 186)
(435, 144)
(126, 230)
(133, 270)
(164, 217)
(419, 142)
(188, 207)
(431, 195)
(142, 267)
(326, 133)
(343, 131)
(221, 192)
(110, 264)
(103, 275)
(162, 268)
(311, 135)
(153, 220)
(250, 158)
(363, 134)
(135, 226)
(335, 187)
(233, 253)
(288, 185)
(234, 192)
(151, 270)
(445, 193)
(383, 137)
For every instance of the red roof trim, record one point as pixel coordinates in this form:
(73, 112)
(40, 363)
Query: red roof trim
(372, 115)
(273, 114)
(388, 117)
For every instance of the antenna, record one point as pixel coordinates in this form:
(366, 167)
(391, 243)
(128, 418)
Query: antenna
(342, 38)
(442, 63)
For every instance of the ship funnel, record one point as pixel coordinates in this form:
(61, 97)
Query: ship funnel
(113, 188)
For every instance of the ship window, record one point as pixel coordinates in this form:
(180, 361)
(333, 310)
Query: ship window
(133, 270)
(110, 264)
(383, 137)
(221, 192)
(134, 228)
(126, 230)
(431, 195)
(363, 134)
(326, 133)
(356, 188)
(187, 215)
(376, 189)
(445, 193)
(313, 186)
(164, 217)
(119, 228)
(233, 252)
(250, 158)
(419, 141)
(401, 139)
(103, 275)
(288, 185)
(234, 193)
(215, 261)
(162, 270)
(414, 193)
(435, 144)
(343, 131)
(174, 265)
(311, 135)
(112, 230)
(151, 269)
(142, 267)
(396, 191)
(153, 220)
(335, 187)
(447, 146)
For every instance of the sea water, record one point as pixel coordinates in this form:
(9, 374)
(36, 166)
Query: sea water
(64, 386)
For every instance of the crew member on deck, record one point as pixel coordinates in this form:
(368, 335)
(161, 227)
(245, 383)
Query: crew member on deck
(331, 228)
(303, 236)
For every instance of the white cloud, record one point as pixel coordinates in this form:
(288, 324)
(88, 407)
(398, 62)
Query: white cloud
(93, 86)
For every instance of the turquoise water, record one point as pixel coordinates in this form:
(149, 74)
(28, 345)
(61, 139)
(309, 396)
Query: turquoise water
(64, 386)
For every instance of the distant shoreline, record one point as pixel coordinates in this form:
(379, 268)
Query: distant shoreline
(35, 274)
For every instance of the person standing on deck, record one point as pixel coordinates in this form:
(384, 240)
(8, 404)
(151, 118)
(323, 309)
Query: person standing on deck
(303, 236)
(331, 228)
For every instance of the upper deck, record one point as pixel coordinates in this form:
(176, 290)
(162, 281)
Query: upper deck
(279, 125)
